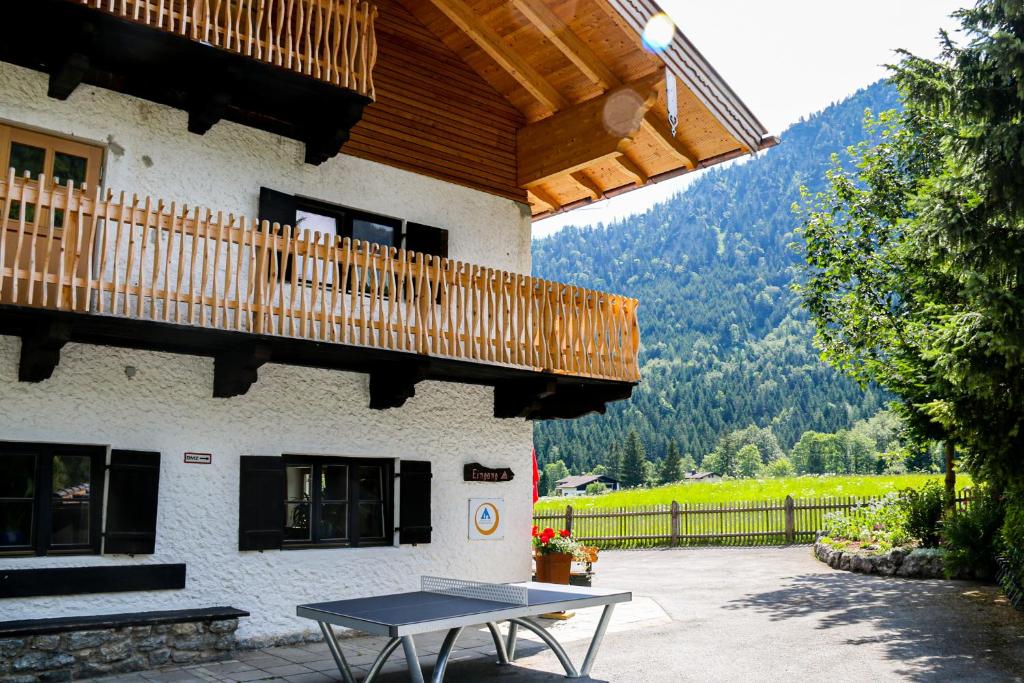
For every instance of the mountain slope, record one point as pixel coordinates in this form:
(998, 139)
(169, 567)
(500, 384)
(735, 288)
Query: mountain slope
(724, 343)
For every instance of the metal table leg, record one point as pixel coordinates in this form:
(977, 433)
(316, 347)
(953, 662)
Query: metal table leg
(446, 651)
(510, 648)
(339, 658)
(412, 660)
(381, 659)
(595, 642)
(499, 644)
(549, 640)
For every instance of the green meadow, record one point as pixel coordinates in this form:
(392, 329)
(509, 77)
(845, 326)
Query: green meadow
(736, 490)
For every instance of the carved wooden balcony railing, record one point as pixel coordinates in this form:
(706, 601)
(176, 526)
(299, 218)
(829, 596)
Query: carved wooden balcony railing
(302, 69)
(332, 40)
(145, 260)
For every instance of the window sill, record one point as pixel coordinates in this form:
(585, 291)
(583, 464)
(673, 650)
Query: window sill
(322, 546)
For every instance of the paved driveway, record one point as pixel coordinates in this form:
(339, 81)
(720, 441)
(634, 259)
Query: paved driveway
(771, 614)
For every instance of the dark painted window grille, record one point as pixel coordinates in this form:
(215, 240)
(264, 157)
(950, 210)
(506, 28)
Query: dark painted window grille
(339, 502)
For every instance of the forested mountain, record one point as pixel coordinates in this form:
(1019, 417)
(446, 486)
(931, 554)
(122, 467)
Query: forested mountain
(724, 342)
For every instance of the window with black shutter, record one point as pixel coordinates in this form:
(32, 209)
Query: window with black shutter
(339, 502)
(51, 498)
(132, 494)
(426, 239)
(414, 525)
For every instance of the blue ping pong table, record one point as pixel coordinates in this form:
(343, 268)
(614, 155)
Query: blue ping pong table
(450, 605)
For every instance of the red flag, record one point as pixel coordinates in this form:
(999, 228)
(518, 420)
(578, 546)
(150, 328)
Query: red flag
(536, 477)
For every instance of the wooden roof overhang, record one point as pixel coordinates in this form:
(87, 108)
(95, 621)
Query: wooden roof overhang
(593, 98)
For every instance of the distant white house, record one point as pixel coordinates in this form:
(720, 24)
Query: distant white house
(702, 476)
(577, 485)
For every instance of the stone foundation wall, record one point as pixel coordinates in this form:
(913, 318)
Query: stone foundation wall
(917, 563)
(86, 654)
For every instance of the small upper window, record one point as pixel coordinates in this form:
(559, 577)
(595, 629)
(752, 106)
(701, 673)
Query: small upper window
(59, 159)
(337, 501)
(50, 498)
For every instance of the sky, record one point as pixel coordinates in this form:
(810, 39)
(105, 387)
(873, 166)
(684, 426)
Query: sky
(785, 59)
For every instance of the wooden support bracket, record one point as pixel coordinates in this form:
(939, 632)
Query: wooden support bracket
(522, 398)
(236, 370)
(206, 111)
(67, 75)
(392, 384)
(40, 350)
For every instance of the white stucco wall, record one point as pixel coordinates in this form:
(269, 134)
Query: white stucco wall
(151, 152)
(167, 405)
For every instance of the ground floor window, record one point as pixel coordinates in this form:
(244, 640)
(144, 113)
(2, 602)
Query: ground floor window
(50, 498)
(337, 501)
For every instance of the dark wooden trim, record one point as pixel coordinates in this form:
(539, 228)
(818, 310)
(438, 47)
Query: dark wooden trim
(40, 350)
(38, 627)
(571, 397)
(235, 370)
(394, 383)
(45, 581)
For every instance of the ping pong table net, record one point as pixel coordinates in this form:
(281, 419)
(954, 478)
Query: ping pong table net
(478, 590)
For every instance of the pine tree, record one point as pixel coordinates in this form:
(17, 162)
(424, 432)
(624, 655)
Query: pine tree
(613, 461)
(670, 470)
(544, 484)
(633, 471)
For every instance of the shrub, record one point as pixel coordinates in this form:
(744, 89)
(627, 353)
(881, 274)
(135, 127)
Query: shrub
(924, 508)
(972, 538)
(881, 523)
(595, 488)
(782, 467)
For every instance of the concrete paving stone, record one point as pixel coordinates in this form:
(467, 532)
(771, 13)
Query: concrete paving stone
(243, 676)
(314, 677)
(323, 665)
(226, 667)
(288, 670)
(293, 654)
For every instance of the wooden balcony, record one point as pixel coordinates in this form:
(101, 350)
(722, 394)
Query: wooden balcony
(299, 68)
(146, 274)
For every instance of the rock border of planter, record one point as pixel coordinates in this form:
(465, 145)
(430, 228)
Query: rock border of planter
(919, 563)
(106, 651)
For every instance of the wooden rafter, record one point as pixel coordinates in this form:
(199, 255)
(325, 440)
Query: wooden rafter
(576, 138)
(490, 42)
(546, 197)
(587, 182)
(631, 168)
(567, 42)
(663, 135)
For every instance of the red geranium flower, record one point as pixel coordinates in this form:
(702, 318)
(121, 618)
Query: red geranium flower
(564, 533)
(534, 532)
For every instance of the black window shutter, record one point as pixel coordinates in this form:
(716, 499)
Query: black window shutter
(277, 207)
(414, 502)
(426, 239)
(261, 502)
(132, 495)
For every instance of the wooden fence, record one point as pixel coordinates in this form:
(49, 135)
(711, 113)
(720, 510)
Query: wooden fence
(148, 260)
(332, 40)
(767, 522)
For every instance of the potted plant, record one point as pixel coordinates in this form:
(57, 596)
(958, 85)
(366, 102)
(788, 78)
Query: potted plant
(554, 552)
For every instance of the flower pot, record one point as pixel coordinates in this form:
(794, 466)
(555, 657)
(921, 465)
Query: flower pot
(554, 568)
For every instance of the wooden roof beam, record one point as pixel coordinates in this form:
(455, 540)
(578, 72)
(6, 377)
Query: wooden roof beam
(587, 182)
(490, 42)
(567, 42)
(663, 135)
(631, 168)
(584, 134)
(546, 197)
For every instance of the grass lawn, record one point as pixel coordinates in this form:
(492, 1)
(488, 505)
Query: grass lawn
(736, 490)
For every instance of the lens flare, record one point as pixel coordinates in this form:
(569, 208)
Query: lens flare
(658, 32)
